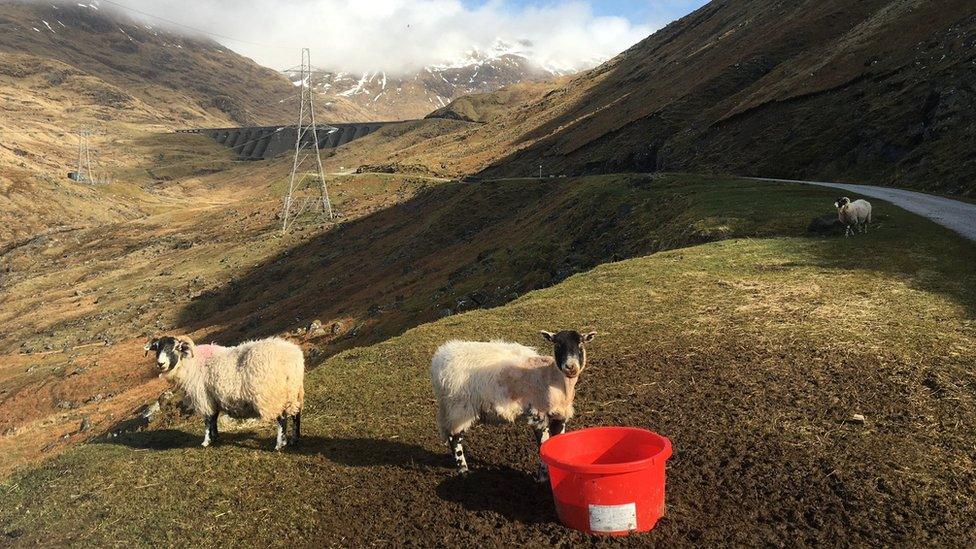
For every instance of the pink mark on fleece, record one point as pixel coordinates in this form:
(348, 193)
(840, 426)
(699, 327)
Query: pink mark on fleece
(206, 352)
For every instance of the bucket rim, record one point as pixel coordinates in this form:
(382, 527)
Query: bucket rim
(606, 468)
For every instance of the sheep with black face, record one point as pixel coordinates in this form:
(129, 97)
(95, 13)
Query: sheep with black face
(256, 379)
(502, 381)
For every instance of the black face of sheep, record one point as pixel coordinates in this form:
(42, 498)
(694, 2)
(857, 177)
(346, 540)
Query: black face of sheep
(841, 202)
(569, 349)
(169, 351)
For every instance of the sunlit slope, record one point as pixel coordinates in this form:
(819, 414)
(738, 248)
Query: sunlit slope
(752, 354)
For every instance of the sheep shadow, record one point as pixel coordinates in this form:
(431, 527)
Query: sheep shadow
(169, 439)
(369, 452)
(351, 452)
(162, 439)
(503, 490)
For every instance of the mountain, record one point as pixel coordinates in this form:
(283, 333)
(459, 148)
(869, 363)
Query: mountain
(386, 96)
(179, 79)
(68, 66)
(877, 90)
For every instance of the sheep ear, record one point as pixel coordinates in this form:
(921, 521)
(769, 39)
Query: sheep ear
(588, 337)
(149, 346)
(547, 335)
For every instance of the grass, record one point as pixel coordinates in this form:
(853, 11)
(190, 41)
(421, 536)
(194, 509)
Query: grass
(751, 353)
(458, 246)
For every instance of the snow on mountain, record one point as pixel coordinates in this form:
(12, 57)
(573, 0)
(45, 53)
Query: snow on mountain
(389, 96)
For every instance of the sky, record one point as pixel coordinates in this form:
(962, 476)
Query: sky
(400, 36)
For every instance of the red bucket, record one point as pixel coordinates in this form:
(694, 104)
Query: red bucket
(608, 480)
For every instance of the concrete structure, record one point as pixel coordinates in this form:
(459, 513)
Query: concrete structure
(263, 142)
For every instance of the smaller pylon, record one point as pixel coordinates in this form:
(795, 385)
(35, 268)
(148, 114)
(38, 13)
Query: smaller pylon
(306, 124)
(84, 171)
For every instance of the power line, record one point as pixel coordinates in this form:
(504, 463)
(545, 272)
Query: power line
(199, 30)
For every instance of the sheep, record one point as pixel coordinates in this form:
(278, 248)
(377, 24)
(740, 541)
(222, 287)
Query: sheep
(501, 381)
(856, 214)
(256, 379)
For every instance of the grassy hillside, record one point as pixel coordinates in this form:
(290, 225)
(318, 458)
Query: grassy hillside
(876, 91)
(461, 246)
(493, 106)
(752, 354)
(461, 138)
(871, 91)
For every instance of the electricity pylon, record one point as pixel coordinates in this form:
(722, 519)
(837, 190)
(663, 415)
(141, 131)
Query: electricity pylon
(306, 124)
(84, 155)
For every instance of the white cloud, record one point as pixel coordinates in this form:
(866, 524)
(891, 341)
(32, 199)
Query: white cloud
(401, 35)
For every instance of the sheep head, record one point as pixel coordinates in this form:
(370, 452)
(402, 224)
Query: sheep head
(170, 352)
(569, 349)
(841, 202)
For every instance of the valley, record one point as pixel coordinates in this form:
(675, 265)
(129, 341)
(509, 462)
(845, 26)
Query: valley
(738, 308)
(817, 389)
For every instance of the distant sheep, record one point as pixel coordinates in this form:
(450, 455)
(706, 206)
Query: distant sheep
(504, 381)
(854, 215)
(257, 379)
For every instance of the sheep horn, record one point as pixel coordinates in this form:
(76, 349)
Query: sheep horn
(148, 347)
(187, 345)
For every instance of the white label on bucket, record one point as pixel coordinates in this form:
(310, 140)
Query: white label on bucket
(613, 518)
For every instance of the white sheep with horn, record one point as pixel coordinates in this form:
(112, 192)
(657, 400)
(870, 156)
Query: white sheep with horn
(256, 379)
(854, 215)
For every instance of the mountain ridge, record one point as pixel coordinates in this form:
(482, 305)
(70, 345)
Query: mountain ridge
(413, 95)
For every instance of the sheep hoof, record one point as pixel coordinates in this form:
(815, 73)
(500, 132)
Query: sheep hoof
(462, 473)
(205, 443)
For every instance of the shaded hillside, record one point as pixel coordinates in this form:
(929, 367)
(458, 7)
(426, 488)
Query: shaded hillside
(462, 246)
(878, 90)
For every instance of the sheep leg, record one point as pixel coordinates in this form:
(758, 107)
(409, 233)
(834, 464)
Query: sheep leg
(207, 429)
(541, 435)
(457, 448)
(282, 425)
(557, 426)
(214, 433)
(296, 421)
